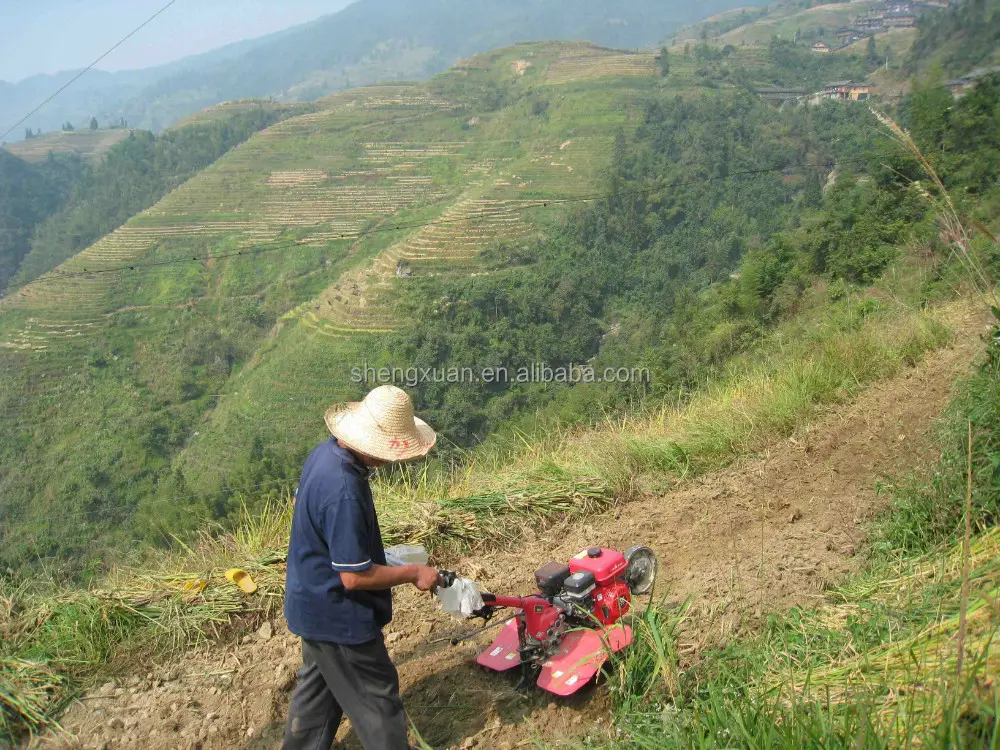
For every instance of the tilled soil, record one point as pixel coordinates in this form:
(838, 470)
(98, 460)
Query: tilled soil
(762, 536)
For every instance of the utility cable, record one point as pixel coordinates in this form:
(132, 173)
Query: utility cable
(79, 75)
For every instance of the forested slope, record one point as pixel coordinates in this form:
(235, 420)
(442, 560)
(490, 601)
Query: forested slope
(958, 40)
(29, 193)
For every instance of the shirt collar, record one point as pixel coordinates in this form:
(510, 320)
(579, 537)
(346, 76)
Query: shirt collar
(350, 459)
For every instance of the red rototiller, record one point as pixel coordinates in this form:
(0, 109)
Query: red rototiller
(561, 636)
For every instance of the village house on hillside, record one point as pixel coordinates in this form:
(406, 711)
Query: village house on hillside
(847, 35)
(961, 86)
(848, 91)
(895, 14)
(869, 23)
(821, 47)
(900, 20)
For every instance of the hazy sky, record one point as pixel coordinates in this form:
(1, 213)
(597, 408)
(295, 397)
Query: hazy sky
(46, 36)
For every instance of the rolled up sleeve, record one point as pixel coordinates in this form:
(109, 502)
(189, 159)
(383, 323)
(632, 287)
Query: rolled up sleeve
(347, 535)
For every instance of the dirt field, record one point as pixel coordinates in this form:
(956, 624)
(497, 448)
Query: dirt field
(761, 536)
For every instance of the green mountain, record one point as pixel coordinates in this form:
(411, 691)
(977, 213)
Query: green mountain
(369, 41)
(185, 356)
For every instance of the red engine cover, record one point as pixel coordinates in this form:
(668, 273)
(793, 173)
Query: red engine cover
(606, 566)
(611, 602)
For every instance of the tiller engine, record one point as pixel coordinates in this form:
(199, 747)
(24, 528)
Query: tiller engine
(561, 636)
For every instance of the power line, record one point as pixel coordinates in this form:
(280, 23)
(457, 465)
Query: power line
(479, 215)
(79, 75)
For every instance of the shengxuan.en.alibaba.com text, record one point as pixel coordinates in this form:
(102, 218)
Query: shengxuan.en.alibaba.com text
(538, 372)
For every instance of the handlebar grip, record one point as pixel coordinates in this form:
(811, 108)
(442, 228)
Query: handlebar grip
(447, 578)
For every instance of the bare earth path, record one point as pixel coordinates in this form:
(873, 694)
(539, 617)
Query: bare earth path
(758, 537)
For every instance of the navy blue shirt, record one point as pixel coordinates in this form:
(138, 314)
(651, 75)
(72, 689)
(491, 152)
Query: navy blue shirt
(334, 531)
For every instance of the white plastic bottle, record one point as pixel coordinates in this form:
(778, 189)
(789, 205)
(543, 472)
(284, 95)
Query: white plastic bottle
(405, 554)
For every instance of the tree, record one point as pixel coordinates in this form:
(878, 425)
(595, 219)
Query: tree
(664, 62)
(93, 123)
(872, 51)
(28, 134)
(68, 126)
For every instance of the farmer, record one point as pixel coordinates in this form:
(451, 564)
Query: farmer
(337, 595)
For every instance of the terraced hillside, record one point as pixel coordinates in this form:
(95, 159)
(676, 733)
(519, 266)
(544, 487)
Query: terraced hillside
(90, 144)
(210, 330)
(788, 20)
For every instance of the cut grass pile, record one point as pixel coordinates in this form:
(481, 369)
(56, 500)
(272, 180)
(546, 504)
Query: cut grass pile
(914, 670)
(29, 696)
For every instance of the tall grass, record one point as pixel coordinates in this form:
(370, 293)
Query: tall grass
(760, 398)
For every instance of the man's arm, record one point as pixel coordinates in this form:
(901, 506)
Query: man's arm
(381, 577)
(348, 536)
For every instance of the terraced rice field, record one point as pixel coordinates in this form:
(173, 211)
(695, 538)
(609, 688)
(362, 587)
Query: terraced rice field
(311, 190)
(241, 204)
(90, 144)
(322, 221)
(585, 64)
(238, 106)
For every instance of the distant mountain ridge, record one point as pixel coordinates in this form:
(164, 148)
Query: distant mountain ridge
(368, 41)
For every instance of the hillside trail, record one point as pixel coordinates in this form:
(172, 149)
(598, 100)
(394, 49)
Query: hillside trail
(764, 535)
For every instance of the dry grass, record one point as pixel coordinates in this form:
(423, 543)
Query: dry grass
(29, 695)
(912, 673)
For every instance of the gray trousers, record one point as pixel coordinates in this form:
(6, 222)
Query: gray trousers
(360, 681)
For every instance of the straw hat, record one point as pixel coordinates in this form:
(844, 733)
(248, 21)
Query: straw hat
(382, 426)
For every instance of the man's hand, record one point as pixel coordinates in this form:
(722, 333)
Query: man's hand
(425, 577)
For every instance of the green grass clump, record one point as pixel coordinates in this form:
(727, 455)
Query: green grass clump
(30, 693)
(926, 513)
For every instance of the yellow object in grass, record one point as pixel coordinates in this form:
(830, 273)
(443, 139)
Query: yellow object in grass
(195, 585)
(242, 579)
